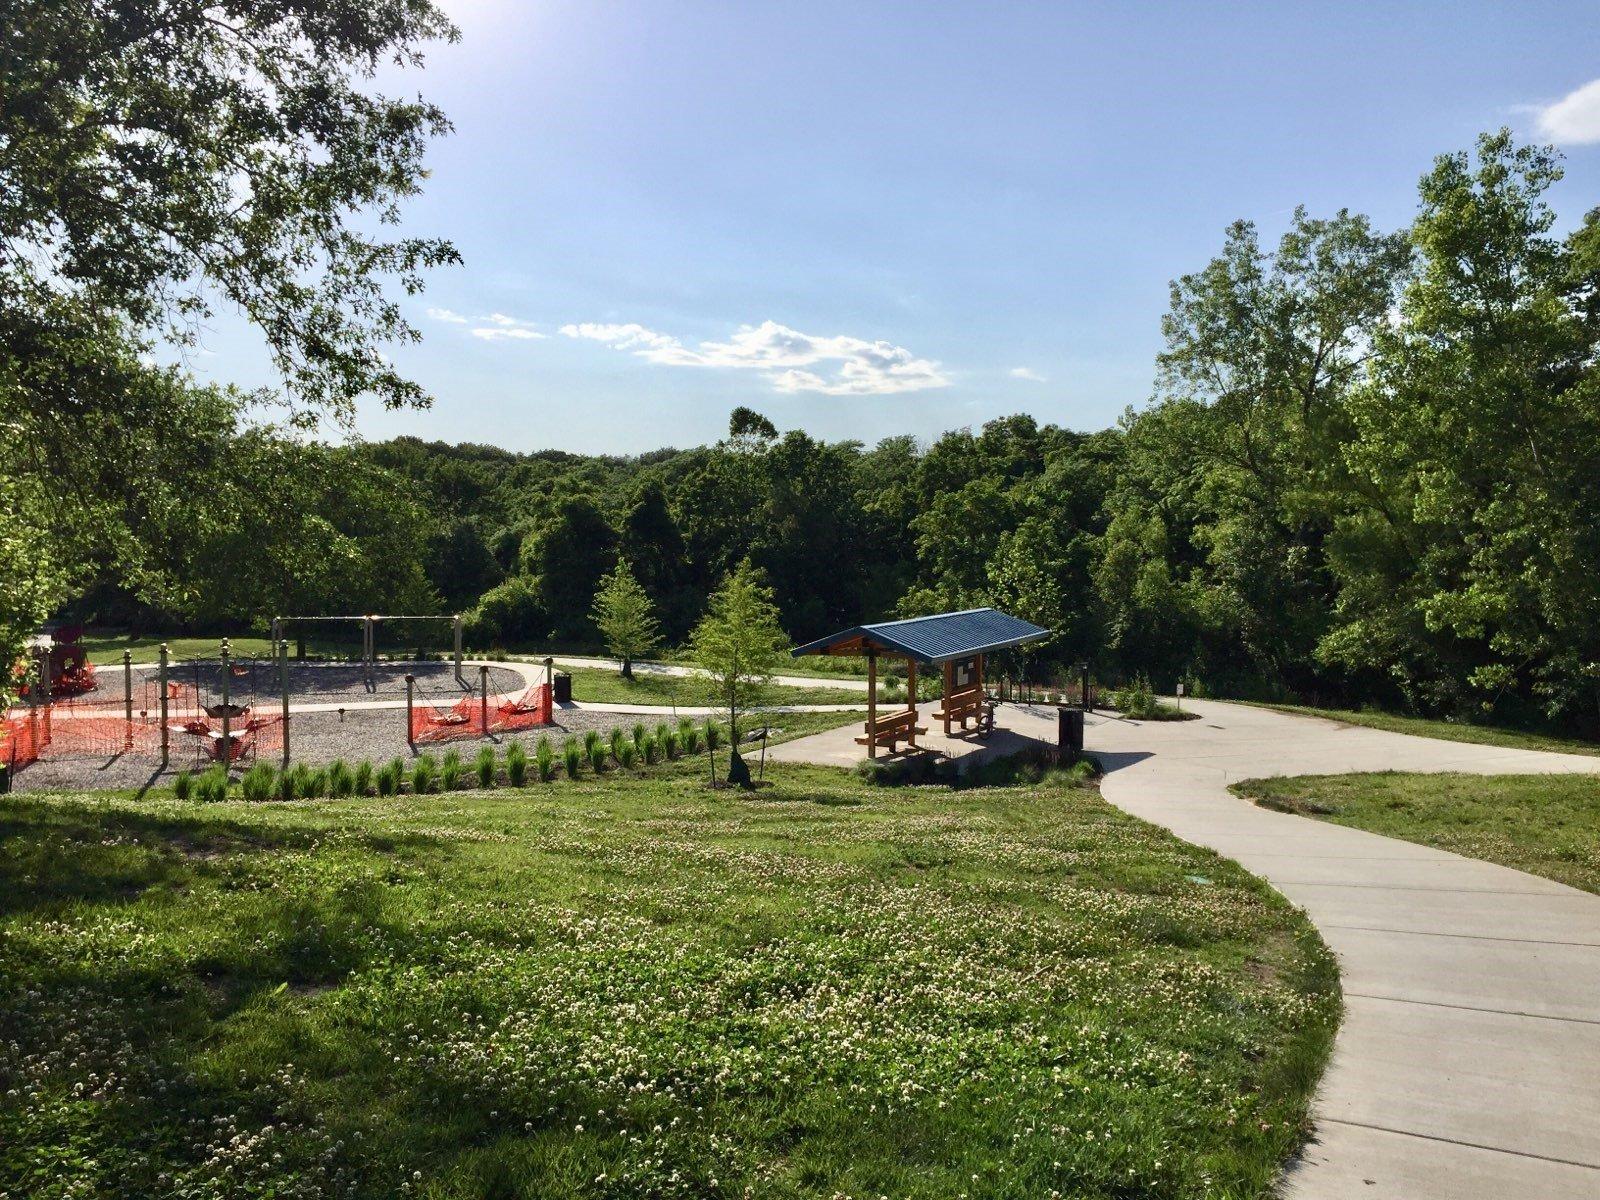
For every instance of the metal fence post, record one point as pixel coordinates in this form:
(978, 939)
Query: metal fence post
(227, 719)
(127, 699)
(283, 686)
(166, 734)
(483, 698)
(411, 688)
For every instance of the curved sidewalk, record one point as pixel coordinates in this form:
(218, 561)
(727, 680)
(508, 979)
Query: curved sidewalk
(1468, 1063)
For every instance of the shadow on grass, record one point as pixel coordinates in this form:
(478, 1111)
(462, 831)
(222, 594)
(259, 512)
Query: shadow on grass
(53, 854)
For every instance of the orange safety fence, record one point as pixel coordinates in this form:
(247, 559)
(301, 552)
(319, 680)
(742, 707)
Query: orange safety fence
(24, 734)
(467, 718)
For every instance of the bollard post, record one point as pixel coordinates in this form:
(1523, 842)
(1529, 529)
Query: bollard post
(459, 679)
(483, 698)
(283, 686)
(411, 687)
(166, 734)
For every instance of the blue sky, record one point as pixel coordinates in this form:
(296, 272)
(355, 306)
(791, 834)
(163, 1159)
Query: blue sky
(867, 219)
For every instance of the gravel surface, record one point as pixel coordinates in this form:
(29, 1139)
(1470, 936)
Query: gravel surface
(315, 738)
(309, 682)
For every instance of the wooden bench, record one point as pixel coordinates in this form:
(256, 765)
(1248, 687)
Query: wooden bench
(886, 731)
(965, 705)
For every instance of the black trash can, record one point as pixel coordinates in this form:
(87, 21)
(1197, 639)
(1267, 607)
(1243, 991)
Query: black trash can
(5, 778)
(1069, 731)
(561, 688)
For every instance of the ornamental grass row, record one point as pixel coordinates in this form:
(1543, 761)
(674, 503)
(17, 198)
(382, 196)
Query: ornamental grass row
(594, 754)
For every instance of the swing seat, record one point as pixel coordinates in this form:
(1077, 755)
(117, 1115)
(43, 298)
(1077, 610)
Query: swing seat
(450, 719)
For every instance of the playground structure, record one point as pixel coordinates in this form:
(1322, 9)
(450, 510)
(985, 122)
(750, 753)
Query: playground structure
(227, 709)
(474, 716)
(369, 632)
(192, 705)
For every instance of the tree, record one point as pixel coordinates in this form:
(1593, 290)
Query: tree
(567, 556)
(156, 155)
(32, 587)
(1469, 560)
(625, 617)
(739, 643)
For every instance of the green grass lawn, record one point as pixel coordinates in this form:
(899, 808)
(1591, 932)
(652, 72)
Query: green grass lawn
(1450, 731)
(606, 685)
(1545, 824)
(634, 986)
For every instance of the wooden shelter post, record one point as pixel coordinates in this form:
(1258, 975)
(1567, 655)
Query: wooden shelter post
(872, 703)
(949, 686)
(911, 697)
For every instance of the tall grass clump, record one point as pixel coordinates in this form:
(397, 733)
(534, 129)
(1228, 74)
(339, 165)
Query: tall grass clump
(183, 784)
(424, 774)
(257, 783)
(591, 739)
(689, 735)
(365, 784)
(212, 786)
(484, 767)
(713, 733)
(544, 760)
(598, 754)
(571, 757)
(288, 786)
(650, 751)
(450, 771)
(516, 764)
(618, 740)
(341, 780)
(639, 732)
(627, 756)
(389, 777)
(670, 746)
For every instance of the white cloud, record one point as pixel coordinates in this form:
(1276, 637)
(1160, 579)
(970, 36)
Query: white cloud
(444, 314)
(503, 328)
(1573, 120)
(845, 366)
(1027, 373)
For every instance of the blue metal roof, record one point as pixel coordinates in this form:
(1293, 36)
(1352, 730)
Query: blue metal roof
(938, 638)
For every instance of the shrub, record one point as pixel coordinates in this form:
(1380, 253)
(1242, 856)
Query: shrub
(669, 743)
(591, 739)
(627, 756)
(651, 750)
(544, 760)
(257, 784)
(303, 781)
(639, 732)
(364, 781)
(450, 771)
(571, 757)
(597, 756)
(316, 782)
(288, 786)
(341, 780)
(618, 740)
(713, 735)
(516, 764)
(424, 774)
(689, 735)
(183, 784)
(485, 766)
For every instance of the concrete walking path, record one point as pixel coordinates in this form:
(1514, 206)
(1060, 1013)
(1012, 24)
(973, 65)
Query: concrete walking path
(1468, 1063)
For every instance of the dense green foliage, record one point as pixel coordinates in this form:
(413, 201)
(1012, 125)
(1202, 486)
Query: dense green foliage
(632, 986)
(1545, 824)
